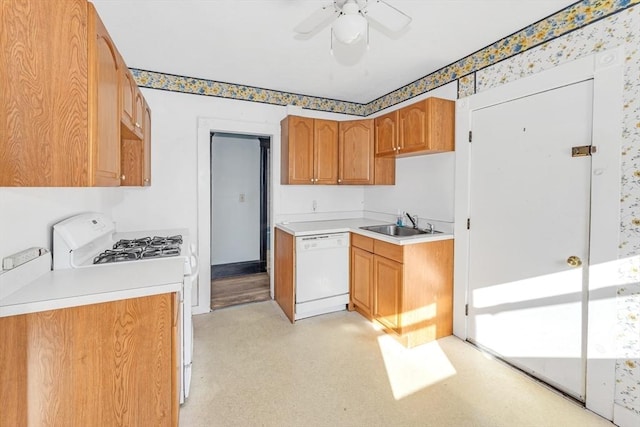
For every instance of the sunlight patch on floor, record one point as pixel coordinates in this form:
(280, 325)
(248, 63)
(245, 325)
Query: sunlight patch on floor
(411, 370)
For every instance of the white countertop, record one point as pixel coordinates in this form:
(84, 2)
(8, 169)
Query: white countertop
(104, 283)
(308, 228)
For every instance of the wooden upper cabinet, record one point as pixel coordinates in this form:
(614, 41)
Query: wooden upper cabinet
(62, 96)
(309, 151)
(356, 165)
(104, 124)
(325, 133)
(426, 126)
(135, 155)
(386, 134)
(132, 105)
(296, 150)
(43, 84)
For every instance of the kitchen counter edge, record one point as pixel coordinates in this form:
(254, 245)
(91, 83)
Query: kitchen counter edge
(310, 228)
(58, 289)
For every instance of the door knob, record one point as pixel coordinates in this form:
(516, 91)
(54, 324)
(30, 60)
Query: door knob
(574, 261)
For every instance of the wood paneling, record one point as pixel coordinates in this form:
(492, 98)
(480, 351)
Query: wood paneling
(284, 273)
(94, 365)
(43, 103)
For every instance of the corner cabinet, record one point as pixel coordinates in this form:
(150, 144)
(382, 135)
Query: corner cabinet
(61, 98)
(407, 289)
(113, 363)
(316, 151)
(424, 127)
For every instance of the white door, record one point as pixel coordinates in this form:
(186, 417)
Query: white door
(529, 213)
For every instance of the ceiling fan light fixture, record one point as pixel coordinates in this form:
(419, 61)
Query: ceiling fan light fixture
(350, 26)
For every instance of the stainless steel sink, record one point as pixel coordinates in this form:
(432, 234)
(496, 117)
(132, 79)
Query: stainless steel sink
(397, 231)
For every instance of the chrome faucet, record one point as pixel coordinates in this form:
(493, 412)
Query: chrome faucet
(414, 219)
(429, 227)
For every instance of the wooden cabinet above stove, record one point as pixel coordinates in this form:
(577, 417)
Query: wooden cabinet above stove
(60, 103)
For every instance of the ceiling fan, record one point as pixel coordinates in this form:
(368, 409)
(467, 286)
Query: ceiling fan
(350, 19)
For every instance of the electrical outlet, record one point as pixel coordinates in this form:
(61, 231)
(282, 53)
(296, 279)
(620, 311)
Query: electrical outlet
(19, 258)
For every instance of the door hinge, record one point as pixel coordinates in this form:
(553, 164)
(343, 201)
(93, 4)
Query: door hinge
(468, 223)
(470, 136)
(583, 150)
(466, 309)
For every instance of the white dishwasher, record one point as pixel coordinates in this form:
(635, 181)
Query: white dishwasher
(322, 274)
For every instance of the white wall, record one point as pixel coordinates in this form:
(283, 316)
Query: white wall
(424, 184)
(27, 215)
(235, 207)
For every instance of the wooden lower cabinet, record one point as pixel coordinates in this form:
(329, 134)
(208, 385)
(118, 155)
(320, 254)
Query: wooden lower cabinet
(411, 287)
(361, 292)
(284, 290)
(93, 365)
(387, 288)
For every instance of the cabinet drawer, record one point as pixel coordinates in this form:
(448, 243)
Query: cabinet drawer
(388, 250)
(362, 242)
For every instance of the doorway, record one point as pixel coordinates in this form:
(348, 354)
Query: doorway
(529, 233)
(240, 195)
(605, 71)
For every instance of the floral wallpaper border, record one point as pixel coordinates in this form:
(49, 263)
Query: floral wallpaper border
(573, 17)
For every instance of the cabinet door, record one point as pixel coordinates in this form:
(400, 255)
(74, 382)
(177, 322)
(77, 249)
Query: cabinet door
(412, 128)
(440, 124)
(131, 152)
(325, 134)
(127, 94)
(146, 146)
(105, 111)
(356, 152)
(297, 150)
(43, 93)
(362, 280)
(387, 300)
(386, 134)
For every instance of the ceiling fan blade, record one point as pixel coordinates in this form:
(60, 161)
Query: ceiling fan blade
(387, 16)
(317, 19)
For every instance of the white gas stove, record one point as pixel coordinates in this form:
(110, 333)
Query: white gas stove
(90, 240)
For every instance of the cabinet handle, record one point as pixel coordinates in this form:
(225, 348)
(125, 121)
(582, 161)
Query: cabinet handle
(311, 179)
(146, 180)
(339, 180)
(138, 125)
(123, 177)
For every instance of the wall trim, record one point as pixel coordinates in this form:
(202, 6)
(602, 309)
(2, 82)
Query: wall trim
(571, 18)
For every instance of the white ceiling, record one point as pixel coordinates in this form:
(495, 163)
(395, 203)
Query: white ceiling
(252, 42)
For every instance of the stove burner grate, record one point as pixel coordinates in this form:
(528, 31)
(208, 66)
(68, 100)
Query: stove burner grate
(142, 248)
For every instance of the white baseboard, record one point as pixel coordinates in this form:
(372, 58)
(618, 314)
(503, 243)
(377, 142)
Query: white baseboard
(624, 417)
